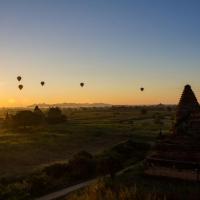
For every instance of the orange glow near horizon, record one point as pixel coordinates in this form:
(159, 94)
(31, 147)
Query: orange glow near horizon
(111, 90)
(85, 95)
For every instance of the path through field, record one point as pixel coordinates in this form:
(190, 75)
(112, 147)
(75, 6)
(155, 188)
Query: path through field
(64, 192)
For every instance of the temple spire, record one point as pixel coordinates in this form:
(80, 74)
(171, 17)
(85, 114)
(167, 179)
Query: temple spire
(188, 103)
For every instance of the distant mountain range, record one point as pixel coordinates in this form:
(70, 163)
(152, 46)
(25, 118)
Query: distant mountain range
(70, 105)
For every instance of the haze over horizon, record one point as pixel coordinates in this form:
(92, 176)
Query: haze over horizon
(114, 46)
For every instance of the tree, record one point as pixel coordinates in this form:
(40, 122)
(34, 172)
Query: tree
(143, 111)
(109, 165)
(26, 118)
(55, 116)
(82, 165)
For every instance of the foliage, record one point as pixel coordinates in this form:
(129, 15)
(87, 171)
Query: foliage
(120, 155)
(14, 191)
(38, 184)
(91, 129)
(56, 170)
(158, 119)
(132, 185)
(28, 118)
(102, 190)
(82, 165)
(109, 165)
(55, 116)
(144, 111)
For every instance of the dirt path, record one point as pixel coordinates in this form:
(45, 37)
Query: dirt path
(64, 192)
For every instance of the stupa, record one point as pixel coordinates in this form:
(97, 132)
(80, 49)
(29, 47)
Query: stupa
(178, 155)
(187, 114)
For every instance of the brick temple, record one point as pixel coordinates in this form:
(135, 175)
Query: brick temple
(178, 155)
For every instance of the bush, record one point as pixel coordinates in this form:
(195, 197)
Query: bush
(102, 190)
(26, 118)
(55, 116)
(38, 184)
(126, 150)
(15, 191)
(56, 170)
(81, 166)
(109, 165)
(143, 110)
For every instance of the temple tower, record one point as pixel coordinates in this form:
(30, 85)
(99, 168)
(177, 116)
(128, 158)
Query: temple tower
(178, 155)
(188, 104)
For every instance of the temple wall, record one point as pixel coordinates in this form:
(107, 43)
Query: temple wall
(172, 173)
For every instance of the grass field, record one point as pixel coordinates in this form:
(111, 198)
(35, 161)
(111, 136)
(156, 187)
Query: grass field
(133, 184)
(90, 129)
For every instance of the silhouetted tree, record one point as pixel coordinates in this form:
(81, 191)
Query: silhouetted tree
(56, 170)
(143, 110)
(55, 116)
(82, 165)
(158, 119)
(109, 165)
(169, 108)
(8, 120)
(26, 118)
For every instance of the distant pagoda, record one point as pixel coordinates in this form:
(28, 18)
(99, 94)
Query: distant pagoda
(178, 155)
(188, 103)
(188, 111)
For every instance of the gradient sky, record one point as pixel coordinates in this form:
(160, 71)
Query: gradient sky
(115, 46)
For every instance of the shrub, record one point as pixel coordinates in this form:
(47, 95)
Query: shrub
(143, 110)
(56, 170)
(26, 118)
(109, 165)
(15, 191)
(38, 184)
(82, 165)
(55, 116)
(102, 190)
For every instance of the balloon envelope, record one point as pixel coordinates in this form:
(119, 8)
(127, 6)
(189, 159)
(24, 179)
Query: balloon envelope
(142, 89)
(42, 83)
(20, 87)
(82, 84)
(19, 78)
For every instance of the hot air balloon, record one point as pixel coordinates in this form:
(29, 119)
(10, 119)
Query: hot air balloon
(19, 78)
(20, 87)
(142, 89)
(82, 84)
(42, 83)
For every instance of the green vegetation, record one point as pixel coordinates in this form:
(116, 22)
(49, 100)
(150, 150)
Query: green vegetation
(22, 150)
(133, 185)
(81, 167)
(37, 159)
(28, 118)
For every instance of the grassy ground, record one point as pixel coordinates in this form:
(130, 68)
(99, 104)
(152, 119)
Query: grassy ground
(133, 184)
(93, 130)
(169, 187)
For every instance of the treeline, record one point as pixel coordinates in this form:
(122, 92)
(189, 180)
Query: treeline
(81, 167)
(27, 118)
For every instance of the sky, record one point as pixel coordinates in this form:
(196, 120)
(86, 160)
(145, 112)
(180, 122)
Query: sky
(114, 46)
